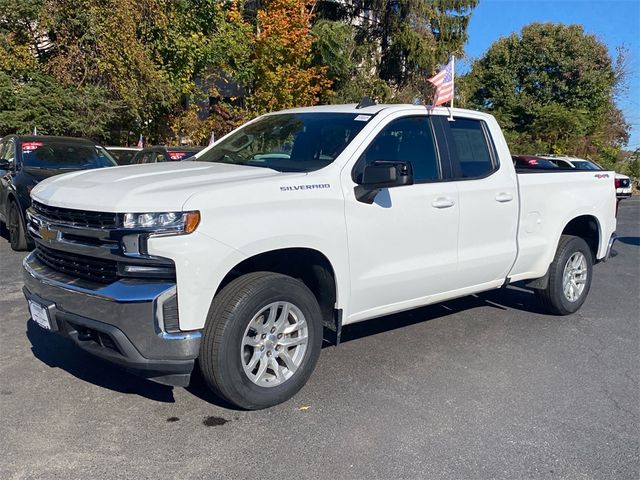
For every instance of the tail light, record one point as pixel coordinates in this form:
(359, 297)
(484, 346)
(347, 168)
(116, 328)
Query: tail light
(618, 183)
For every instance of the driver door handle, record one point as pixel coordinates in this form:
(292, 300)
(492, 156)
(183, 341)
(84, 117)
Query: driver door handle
(504, 197)
(443, 202)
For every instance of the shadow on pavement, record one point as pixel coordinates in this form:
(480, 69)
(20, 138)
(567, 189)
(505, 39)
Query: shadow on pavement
(59, 352)
(513, 297)
(635, 241)
(198, 388)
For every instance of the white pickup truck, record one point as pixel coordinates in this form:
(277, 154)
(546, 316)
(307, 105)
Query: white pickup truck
(294, 225)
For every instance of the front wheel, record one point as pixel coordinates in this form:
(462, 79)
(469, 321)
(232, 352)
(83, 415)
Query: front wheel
(569, 277)
(262, 340)
(17, 231)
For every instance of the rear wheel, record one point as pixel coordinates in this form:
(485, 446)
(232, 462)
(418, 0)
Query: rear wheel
(569, 277)
(262, 340)
(17, 230)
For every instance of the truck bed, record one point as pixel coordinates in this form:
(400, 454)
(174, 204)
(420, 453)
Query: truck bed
(544, 195)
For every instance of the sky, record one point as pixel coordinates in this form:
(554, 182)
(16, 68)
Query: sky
(615, 22)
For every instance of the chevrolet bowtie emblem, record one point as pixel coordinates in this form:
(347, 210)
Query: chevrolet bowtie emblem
(48, 234)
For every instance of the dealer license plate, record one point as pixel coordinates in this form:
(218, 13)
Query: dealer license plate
(39, 314)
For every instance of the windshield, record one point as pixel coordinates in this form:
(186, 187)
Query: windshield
(288, 142)
(64, 155)
(123, 157)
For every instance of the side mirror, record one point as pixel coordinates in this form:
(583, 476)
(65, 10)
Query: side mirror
(5, 164)
(382, 174)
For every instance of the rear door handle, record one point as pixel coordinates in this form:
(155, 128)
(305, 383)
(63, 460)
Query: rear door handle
(503, 197)
(443, 202)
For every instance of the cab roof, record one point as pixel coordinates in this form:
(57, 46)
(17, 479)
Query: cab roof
(51, 138)
(374, 109)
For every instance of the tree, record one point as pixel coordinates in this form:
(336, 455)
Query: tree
(551, 87)
(53, 108)
(113, 44)
(351, 64)
(633, 164)
(405, 40)
(284, 74)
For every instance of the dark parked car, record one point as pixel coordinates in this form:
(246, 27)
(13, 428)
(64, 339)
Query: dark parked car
(161, 153)
(531, 161)
(25, 160)
(123, 155)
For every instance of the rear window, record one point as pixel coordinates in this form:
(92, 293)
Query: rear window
(471, 147)
(64, 155)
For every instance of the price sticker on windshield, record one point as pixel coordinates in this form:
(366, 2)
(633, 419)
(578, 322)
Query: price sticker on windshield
(362, 118)
(31, 146)
(177, 155)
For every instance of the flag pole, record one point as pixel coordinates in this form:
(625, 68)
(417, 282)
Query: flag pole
(453, 86)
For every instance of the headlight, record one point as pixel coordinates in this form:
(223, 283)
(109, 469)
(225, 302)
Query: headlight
(179, 222)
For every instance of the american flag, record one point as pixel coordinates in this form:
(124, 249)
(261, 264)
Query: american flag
(443, 81)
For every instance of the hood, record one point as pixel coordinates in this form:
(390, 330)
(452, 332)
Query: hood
(152, 187)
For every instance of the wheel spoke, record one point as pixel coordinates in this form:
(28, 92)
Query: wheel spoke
(251, 341)
(293, 341)
(300, 324)
(261, 369)
(576, 260)
(284, 355)
(254, 360)
(276, 368)
(273, 311)
(282, 321)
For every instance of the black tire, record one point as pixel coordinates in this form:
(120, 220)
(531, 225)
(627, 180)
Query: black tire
(553, 297)
(17, 229)
(231, 311)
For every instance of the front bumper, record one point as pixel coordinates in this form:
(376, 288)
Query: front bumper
(120, 322)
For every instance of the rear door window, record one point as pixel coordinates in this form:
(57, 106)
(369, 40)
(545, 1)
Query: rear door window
(471, 148)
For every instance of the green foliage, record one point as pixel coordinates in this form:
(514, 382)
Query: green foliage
(551, 88)
(351, 63)
(53, 108)
(151, 66)
(633, 165)
(401, 42)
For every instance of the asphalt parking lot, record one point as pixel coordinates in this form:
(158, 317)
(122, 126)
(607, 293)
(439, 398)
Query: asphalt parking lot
(477, 388)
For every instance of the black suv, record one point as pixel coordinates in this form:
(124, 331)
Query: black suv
(26, 160)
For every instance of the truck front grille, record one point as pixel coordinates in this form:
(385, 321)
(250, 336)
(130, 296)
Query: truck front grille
(77, 218)
(88, 268)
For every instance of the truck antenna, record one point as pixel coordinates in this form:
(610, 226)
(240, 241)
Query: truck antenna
(365, 102)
